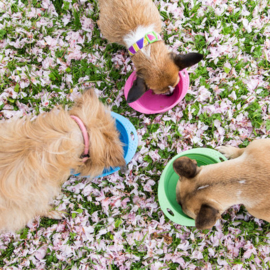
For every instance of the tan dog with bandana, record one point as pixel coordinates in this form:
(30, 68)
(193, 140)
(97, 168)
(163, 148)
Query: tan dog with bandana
(136, 24)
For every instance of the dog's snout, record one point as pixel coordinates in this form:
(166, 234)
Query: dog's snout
(124, 169)
(168, 94)
(169, 91)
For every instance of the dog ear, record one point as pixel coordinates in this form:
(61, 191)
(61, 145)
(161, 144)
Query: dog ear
(207, 217)
(89, 92)
(185, 167)
(187, 60)
(137, 90)
(88, 96)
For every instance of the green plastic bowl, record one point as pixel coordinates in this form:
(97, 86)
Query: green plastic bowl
(169, 178)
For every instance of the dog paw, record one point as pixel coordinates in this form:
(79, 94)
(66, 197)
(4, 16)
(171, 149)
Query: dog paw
(54, 215)
(228, 151)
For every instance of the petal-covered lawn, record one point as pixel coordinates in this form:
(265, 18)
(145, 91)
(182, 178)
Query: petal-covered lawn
(51, 50)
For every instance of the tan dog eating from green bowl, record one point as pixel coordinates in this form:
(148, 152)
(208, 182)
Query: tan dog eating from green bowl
(205, 192)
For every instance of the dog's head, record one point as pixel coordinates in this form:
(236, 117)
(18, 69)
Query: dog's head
(159, 71)
(192, 200)
(105, 149)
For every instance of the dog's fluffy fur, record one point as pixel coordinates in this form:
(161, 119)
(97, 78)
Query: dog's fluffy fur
(205, 192)
(36, 157)
(125, 22)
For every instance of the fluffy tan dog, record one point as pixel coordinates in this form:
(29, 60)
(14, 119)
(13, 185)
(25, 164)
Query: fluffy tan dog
(126, 22)
(36, 157)
(205, 192)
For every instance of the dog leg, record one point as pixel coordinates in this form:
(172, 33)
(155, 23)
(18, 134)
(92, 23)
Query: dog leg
(54, 214)
(231, 152)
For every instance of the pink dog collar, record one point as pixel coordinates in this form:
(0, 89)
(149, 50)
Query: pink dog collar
(85, 136)
(149, 38)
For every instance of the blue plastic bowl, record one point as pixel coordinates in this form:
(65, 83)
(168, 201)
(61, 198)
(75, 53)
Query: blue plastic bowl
(128, 136)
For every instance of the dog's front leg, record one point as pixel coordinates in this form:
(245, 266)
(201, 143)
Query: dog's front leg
(231, 152)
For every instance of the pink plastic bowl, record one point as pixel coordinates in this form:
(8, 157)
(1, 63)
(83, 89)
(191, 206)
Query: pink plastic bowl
(150, 103)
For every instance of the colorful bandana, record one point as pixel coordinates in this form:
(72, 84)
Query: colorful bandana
(149, 38)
